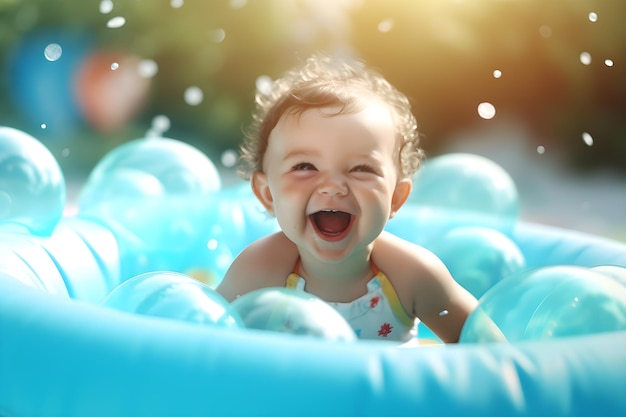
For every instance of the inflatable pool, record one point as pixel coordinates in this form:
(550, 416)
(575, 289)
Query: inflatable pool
(64, 354)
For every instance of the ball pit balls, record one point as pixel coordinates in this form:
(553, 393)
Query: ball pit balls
(545, 303)
(32, 186)
(478, 257)
(292, 311)
(174, 296)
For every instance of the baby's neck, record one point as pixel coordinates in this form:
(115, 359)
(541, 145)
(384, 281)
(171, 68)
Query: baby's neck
(337, 281)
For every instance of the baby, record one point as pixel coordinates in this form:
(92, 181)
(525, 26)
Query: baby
(331, 154)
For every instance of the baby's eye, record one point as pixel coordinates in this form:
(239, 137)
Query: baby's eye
(364, 168)
(303, 166)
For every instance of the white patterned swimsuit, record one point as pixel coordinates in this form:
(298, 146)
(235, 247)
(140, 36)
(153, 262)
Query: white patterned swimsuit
(375, 315)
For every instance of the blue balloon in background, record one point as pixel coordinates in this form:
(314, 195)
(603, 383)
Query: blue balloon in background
(43, 89)
(174, 296)
(454, 190)
(545, 303)
(32, 186)
(618, 273)
(478, 257)
(286, 310)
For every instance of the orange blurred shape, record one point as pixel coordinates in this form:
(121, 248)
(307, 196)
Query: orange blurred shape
(110, 90)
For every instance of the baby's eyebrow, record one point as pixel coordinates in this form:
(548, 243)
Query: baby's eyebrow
(301, 153)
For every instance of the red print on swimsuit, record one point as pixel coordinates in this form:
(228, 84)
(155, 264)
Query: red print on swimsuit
(385, 330)
(374, 302)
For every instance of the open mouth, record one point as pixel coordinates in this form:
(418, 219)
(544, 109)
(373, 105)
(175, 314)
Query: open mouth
(331, 224)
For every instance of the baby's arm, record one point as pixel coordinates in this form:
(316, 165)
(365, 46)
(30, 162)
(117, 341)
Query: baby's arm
(265, 263)
(423, 281)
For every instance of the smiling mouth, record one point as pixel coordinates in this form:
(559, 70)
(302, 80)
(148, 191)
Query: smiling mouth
(331, 223)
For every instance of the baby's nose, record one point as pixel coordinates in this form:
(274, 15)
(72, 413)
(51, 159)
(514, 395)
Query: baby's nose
(333, 185)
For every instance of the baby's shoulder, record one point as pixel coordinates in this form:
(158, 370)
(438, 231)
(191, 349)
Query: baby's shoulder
(272, 253)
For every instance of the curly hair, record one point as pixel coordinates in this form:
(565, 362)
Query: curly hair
(321, 82)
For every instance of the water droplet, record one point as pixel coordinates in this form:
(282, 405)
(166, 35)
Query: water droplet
(593, 17)
(545, 31)
(386, 25)
(147, 68)
(217, 35)
(193, 96)
(229, 158)
(588, 139)
(53, 52)
(238, 4)
(264, 85)
(116, 22)
(443, 313)
(212, 244)
(115, 66)
(585, 58)
(541, 150)
(608, 62)
(486, 110)
(161, 123)
(106, 6)
(176, 4)
(497, 74)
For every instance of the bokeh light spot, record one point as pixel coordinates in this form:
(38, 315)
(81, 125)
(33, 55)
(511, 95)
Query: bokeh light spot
(193, 96)
(541, 150)
(147, 68)
(53, 52)
(386, 25)
(497, 73)
(486, 110)
(229, 158)
(593, 17)
(106, 6)
(116, 22)
(176, 4)
(217, 35)
(585, 58)
(587, 138)
(608, 62)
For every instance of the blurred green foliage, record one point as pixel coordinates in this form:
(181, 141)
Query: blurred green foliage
(441, 53)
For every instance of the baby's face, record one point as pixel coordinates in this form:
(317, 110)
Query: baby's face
(332, 180)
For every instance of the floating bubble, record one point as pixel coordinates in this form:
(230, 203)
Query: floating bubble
(585, 58)
(53, 52)
(217, 35)
(541, 150)
(229, 158)
(608, 62)
(386, 25)
(147, 68)
(545, 31)
(43, 126)
(116, 22)
(115, 66)
(486, 110)
(106, 6)
(587, 138)
(497, 73)
(593, 17)
(264, 85)
(193, 96)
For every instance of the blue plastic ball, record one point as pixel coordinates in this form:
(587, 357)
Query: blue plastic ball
(478, 257)
(546, 303)
(292, 311)
(174, 296)
(32, 186)
(616, 272)
(459, 189)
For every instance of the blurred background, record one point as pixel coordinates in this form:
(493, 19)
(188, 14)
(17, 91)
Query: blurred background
(537, 86)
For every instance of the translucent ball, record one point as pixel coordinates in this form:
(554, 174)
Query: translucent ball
(618, 273)
(545, 303)
(461, 189)
(174, 296)
(291, 311)
(32, 186)
(478, 257)
(155, 196)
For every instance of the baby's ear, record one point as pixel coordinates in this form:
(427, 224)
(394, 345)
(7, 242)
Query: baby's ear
(400, 195)
(261, 190)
